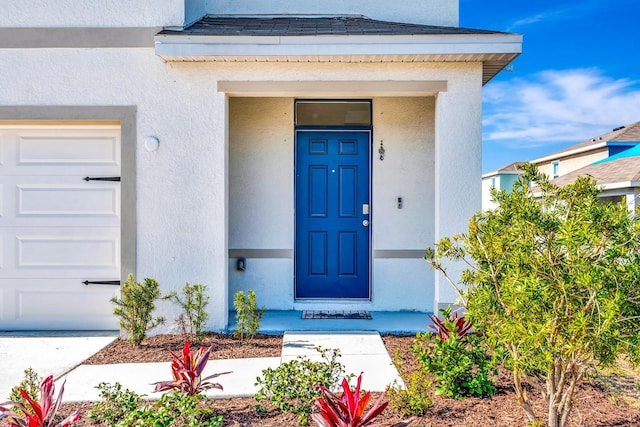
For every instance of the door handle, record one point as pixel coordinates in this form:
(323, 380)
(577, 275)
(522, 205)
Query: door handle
(365, 222)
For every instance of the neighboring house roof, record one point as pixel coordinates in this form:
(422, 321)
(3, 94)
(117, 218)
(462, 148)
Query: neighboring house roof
(622, 170)
(623, 135)
(631, 152)
(511, 168)
(335, 39)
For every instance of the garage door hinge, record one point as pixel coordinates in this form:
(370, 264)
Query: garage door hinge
(105, 178)
(103, 282)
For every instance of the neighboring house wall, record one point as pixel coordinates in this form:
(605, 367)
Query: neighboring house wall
(501, 181)
(574, 162)
(92, 13)
(487, 184)
(507, 181)
(431, 12)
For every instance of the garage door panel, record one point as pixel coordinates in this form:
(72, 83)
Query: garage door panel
(56, 229)
(59, 303)
(70, 200)
(26, 152)
(61, 252)
(43, 150)
(58, 201)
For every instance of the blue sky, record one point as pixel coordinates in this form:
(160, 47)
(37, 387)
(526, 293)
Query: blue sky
(578, 75)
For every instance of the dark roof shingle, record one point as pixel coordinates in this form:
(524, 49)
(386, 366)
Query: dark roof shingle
(313, 26)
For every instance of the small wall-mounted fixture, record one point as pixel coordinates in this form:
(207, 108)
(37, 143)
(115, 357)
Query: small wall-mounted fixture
(241, 264)
(381, 151)
(151, 143)
(399, 202)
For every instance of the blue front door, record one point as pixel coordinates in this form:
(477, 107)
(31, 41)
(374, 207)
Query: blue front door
(332, 214)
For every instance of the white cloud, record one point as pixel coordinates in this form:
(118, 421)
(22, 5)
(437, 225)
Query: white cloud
(568, 12)
(557, 106)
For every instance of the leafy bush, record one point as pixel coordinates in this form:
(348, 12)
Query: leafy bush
(450, 322)
(38, 413)
(30, 384)
(348, 409)
(125, 408)
(115, 403)
(460, 363)
(248, 315)
(553, 280)
(135, 308)
(295, 385)
(187, 372)
(417, 397)
(172, 409)
(193, 302)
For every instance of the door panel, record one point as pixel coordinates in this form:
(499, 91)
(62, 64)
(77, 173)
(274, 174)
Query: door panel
(332, 242)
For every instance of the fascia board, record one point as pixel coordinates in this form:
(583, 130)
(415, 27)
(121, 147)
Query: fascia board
(497, 173)
(191, 45)
(620, 185)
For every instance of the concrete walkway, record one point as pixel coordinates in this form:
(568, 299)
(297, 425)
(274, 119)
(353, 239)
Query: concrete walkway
(53, 354)
(360, 352)
(61, 356)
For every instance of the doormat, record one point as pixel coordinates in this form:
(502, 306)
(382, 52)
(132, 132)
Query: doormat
(338, 315)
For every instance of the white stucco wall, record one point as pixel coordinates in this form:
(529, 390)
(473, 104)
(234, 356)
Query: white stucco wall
(406, 126)
(431, 12)
(458, 158)
(182, 187)
(91, 13)
(261, 196)
(261, 173)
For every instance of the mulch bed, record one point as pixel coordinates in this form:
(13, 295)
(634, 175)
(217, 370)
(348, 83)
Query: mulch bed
(595, 407)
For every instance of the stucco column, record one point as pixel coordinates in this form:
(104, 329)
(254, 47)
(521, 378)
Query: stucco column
(458, 163)
(219, 192)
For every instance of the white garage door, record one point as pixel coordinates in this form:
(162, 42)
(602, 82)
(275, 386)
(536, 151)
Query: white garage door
(58, 230)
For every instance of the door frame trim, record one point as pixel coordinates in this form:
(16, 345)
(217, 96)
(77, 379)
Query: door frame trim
(369, 130)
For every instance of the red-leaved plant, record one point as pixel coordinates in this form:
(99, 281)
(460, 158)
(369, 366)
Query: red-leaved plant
(450, 322)
(38, 414)
(348, 410)
(187, 372)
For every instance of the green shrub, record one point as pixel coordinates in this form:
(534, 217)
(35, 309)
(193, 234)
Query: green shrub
(193, 302)
(417, 397)
(295, 385)
(30, 384)
(553, 281)
(248, 315)
(173, 409)
(135, 308)
(115, 403)
(460, 365)
(125, 408)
